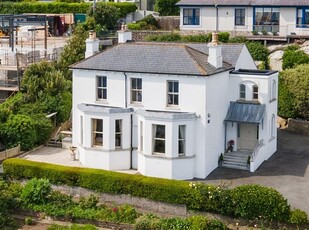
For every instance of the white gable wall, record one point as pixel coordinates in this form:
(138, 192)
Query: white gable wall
(245, 60)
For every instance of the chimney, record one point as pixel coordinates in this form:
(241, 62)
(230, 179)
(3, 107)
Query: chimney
(215, 56)
(124, 34)
(92, 44)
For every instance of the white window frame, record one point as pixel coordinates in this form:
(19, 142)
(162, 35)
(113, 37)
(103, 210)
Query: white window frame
(274, 90)
(101, 88)
(154, 139)
(255, 93)
(141, 130)
(182, 139)
(241, 91)
(172, 93)
(118, 133)
(94, 132)
(137, 91)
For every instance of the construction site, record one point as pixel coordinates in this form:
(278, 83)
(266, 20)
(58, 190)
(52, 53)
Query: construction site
(25, 39)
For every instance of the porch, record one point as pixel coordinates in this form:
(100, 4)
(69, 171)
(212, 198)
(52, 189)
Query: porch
(244, 135)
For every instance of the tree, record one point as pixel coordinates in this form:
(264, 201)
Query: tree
(74, 50)
(105, 15)
(294, 92)
(167, 7)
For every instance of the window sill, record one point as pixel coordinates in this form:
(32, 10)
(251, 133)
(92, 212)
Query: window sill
(163, 156)
(172, 107)
(105, 102)
(136, 104)
(272, 100)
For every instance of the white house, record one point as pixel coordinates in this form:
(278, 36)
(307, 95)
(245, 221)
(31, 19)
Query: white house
(169, 109)
(284, 17)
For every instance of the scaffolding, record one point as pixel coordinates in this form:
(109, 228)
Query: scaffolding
(23, 42)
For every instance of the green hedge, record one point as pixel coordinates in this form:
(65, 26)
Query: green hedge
(59, 7)
(249, 201)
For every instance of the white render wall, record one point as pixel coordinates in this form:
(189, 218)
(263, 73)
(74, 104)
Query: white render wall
(226, 20)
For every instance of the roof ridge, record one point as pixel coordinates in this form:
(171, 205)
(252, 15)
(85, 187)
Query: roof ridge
(199, 66)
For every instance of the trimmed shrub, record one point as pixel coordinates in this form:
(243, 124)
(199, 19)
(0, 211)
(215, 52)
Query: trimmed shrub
(298, 217)
(175, 37)
(147, 23)
(60, 7)
(238, 39)
(249, 201)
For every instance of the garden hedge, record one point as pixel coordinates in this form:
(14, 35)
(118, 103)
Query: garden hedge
(59, 7)
(248, 201)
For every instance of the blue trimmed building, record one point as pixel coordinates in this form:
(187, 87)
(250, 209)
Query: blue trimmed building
(241, 17)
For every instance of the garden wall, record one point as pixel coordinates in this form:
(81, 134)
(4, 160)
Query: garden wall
(145, 204)
(298, 126)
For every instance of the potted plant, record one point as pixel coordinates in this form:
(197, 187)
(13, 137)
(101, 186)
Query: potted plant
(230, 145)
(220, 159)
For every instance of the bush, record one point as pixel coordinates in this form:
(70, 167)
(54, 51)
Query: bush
(20, 129)
(298, 217)
(292, 58)
(224, 37)
(36, 191)
(238, 39)
(28, 221)
(72, 227)
(249, 201)
(254, 201)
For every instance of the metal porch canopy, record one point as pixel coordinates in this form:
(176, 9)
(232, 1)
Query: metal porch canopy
(242, 112)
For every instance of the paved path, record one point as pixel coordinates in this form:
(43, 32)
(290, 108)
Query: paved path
(287, 171)
(52, 155)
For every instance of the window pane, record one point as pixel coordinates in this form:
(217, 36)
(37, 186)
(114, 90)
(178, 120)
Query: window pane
(104, 94)
(99, 125)
(104, 81)
(118, 126)
(139, 96)
(181, 147)
(176, 89)
(133, 83)
(175, 102)
(160, 131)
(159, 146)
(139, 83)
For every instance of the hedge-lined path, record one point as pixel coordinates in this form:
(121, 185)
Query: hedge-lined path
(287, 171)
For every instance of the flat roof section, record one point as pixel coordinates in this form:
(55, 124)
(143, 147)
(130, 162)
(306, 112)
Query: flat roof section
(253, 72)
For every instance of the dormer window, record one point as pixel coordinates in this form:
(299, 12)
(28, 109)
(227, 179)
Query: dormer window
(242, 92)
(255, 92)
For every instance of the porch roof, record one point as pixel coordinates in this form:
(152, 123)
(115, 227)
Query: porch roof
(241, 112)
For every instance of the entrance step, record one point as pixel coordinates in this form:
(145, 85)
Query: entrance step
(236, 160)
(54, 143)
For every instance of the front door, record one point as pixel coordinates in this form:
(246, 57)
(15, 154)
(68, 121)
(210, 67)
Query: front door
(247, 136)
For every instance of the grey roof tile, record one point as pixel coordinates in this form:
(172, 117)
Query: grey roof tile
(162, 58)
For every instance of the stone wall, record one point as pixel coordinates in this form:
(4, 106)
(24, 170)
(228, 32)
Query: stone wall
(137, 202)
(168, 22)
(298, 126)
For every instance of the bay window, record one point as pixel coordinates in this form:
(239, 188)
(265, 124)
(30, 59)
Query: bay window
(158, 139)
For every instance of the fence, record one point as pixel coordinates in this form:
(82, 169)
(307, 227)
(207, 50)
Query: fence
(10, 153)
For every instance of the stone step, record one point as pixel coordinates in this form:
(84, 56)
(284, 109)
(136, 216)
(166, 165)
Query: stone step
(235, 157)
(235, 166)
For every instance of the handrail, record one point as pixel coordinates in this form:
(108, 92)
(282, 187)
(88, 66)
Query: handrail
(256, 149)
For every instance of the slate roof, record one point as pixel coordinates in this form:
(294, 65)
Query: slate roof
(245, 113)
(161, 58)
(244, 2)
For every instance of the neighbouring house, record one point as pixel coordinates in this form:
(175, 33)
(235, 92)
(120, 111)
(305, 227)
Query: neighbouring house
(170, 109)
(241, 17)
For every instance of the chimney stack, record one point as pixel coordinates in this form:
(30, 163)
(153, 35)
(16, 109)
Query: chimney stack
(214, 55)
(92, 44)
(124, 34)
